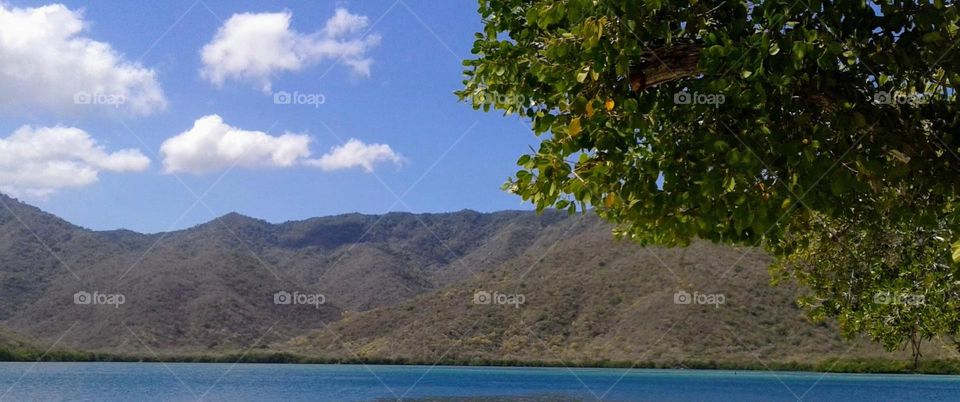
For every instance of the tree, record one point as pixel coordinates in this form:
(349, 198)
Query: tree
(736, 122)
(886, 278)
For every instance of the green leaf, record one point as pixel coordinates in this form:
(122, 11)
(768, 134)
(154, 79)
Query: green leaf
(799, 50)
(582, 74)
(932, 37)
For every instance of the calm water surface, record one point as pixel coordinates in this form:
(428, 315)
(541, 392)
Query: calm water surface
(282, 382)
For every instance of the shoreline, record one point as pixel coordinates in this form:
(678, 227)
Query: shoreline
(838, 366)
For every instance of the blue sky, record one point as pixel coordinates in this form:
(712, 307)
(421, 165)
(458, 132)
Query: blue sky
(453, 157)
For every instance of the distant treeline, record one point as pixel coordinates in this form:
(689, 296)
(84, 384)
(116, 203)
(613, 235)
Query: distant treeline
(875, 366)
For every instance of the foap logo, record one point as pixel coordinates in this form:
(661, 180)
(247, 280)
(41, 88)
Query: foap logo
(99, 98)
(496, 98)
(312, 299)
(697, 98)
(97, 298)
(710, 299)
(485, 297)
(298, 98)
(888, 98)
(900, 299)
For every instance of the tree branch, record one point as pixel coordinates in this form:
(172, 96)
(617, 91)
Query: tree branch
(665, 64)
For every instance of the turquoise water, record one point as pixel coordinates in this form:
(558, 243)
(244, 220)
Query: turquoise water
(282, 382)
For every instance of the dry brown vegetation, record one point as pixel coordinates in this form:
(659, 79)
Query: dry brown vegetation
(402, 287)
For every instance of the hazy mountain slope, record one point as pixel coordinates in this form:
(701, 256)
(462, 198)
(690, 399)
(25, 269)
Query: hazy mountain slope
(405, 284)
(590, 298)
(12, 341)
(212, 286)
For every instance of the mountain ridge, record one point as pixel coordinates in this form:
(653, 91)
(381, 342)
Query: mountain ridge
(398, 286)
(7, 199)
(228, 267)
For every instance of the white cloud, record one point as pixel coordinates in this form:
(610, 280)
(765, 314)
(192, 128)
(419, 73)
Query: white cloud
(38, 161)
(212, 145)
(356, 153)
(343, 22)
(253, 47)
(47, 64)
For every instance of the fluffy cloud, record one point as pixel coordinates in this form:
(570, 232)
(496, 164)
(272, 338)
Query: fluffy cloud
(355, 153)
(38, 161)
(343, 23)
(212, 145)
(253, 47)
(46, 64)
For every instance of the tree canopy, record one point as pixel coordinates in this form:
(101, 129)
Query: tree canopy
(767, 123)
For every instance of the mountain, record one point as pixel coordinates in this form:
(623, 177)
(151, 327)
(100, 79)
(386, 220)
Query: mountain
(212, 286)
(590, 299)
(399, 285)
(11, 341)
